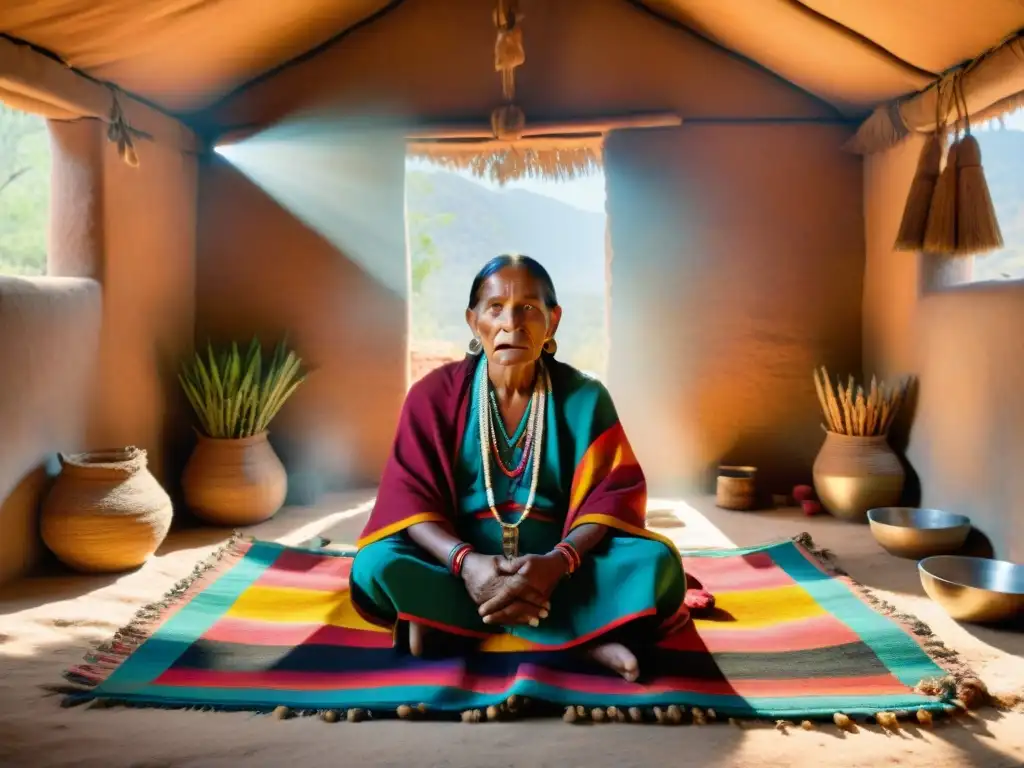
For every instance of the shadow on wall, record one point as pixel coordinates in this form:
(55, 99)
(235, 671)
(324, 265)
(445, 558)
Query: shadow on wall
(263, 271)
(899, 441)
(725, 299)
(20, 545)
(49, 341)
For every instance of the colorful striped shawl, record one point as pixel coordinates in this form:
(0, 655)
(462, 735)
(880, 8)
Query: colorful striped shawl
(418, 484)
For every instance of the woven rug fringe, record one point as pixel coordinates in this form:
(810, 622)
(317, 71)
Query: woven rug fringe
(101, 662)
(961, 687)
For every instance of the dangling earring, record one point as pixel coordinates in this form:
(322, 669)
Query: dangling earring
(475, 346)
(551, 346)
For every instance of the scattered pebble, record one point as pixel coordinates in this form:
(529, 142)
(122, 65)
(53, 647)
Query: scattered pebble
(888, 720)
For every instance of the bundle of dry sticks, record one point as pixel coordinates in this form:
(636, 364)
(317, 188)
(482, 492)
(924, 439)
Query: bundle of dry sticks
(850, 411)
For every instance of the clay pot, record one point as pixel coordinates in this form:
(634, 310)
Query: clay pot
(853, 474)
(105, 513)
(234, 481)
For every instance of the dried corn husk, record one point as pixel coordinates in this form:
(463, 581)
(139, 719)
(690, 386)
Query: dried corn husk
(849, 410)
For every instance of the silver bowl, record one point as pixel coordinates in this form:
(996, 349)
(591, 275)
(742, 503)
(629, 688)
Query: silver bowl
(915, 533)
(973, 588)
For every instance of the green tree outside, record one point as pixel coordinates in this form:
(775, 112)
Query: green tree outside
(24, 192)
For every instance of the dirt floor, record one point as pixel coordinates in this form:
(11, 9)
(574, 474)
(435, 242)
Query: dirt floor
(47, 623)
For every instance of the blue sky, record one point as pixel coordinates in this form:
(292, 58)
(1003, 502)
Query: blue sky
(1013, 122)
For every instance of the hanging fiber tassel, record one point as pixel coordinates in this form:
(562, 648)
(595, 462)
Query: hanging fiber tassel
(976, 223)
(120, 132)
(915, 213)
(940, 231)
(977, 228)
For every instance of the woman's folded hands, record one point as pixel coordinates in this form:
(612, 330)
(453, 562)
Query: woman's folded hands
(514, 591)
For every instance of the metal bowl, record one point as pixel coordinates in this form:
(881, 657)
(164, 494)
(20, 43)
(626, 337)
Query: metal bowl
(973, 588)
(915, 533)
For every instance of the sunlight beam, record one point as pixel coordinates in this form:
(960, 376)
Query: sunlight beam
(341, 177)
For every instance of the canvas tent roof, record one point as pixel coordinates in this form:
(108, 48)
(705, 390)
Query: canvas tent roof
(184, 55)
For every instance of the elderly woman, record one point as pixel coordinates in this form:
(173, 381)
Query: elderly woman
(512, 502)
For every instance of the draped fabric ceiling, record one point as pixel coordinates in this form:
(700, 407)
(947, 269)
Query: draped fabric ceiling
(185, 55)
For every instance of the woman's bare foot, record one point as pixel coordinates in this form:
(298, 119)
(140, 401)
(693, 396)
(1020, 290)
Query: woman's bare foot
(417, 632)
(617, 658)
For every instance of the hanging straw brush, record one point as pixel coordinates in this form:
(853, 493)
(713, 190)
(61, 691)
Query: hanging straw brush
(977, 227)
(940, 231)
(919, 200)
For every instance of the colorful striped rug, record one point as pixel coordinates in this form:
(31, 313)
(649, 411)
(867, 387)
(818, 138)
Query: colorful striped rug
(262, 626)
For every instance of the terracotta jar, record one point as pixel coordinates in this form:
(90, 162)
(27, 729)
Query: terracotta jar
(853, 474)
(238, 481)
(106, 512)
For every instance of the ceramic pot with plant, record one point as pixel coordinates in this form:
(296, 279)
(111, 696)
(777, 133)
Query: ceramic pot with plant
(234, 476)
(856, 469)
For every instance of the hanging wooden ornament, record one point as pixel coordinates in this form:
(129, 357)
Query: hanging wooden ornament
(508, 123)
(509, 52)
(508, 120)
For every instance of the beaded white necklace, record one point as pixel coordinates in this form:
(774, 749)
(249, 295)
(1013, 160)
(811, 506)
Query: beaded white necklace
(534, 441)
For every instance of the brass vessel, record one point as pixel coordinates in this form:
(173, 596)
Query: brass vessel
(854, 473)
(915, 533)
(974, 589)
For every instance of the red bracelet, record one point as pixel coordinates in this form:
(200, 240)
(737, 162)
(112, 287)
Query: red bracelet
(457, 556)
(568, 559)
(571, 555)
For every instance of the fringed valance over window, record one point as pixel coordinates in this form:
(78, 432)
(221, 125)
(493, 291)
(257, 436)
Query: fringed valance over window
(559, 159)
(557, 151)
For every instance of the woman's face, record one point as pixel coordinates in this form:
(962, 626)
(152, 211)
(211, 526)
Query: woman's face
(510, 317)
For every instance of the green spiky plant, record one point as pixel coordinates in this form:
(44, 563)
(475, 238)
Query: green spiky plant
(235, 396)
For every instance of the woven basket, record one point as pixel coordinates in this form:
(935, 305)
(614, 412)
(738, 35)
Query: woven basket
(237, 481)
(106, 513)
(735, 488)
